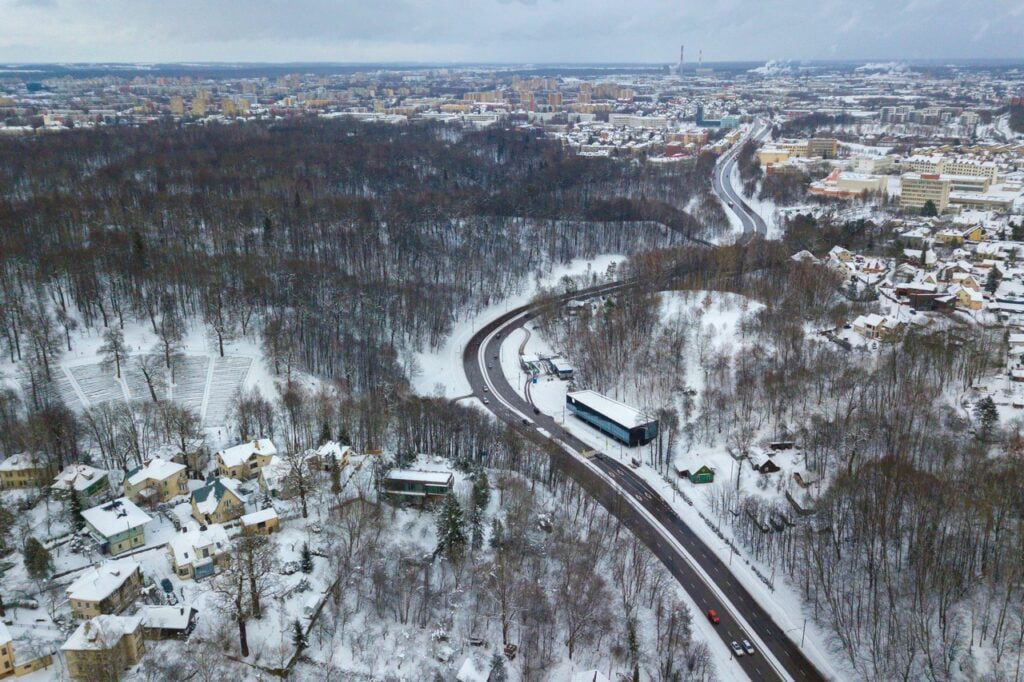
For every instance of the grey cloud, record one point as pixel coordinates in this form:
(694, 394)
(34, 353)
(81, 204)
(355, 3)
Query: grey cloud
(504, 30)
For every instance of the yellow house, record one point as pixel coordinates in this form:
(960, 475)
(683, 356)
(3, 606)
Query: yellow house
(218, 502)
(973, 233)
(158, 481)
(198, 553)
(244, 461)
(24, 471)
(263, 522)
(27, 657)
(103, 647)
(968, 299)
(106, 589)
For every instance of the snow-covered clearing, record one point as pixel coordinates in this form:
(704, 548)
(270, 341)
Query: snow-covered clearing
(439, 373)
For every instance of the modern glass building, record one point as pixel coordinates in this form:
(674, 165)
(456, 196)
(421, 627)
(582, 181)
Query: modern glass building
(625, 424)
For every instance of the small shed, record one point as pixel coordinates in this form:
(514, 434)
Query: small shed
(704, 474)
(263, 522)
(769, 467)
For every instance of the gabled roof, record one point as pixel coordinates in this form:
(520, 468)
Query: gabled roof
(77, 477)
(240, 454)
(209, 496)
(156, 469)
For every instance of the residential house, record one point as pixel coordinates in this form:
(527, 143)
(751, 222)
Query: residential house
(81, 479)
(419, 485)
(198, 553)
(118, 526)
(263, 522)
(704, 474)
(159, 480)
(274, 479)
(967, 299)
(24, 471)
(329, 452)
(103, 647)
(22, 657)
(218, 502)
(877, 327)
(244, 461)
(167, 622)
(106, 589)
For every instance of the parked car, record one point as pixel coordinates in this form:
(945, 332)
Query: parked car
(290, 567)
(634, 462)
(713, 617)
(486, 401)
(536, 410)
(736, 648)
(748, 647)
(166, 586)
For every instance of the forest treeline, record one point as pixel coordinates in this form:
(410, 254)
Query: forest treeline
(341, 245)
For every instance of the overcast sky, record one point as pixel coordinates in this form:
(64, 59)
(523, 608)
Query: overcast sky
(507, 30)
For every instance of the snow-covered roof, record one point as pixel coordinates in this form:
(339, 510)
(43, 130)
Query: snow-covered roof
(618, 412)
(166, 617)
(430, 477)
(184, 545)
(5, 635)
(77, 477)
(101, 632)
(117, 516)
(207, 497)
(156, 469)
(99, 582)
(561, 365)
(262, 515)
(333, 449)
(20, 462)
(240, 454)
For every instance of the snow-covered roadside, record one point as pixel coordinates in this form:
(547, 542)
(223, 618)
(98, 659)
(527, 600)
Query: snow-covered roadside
(439, 373)
(783, 603)
(766, 209)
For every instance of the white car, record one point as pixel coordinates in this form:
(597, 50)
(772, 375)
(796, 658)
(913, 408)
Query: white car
(748, 647)
(736, 648)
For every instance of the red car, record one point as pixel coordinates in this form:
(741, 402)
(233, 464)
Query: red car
(713, 617)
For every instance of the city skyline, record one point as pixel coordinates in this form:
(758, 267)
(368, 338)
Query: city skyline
(505, 31)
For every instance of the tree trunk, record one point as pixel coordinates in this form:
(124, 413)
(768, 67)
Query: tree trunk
(243, 639)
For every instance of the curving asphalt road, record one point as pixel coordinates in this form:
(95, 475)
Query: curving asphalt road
(657, 525)
(730, 197)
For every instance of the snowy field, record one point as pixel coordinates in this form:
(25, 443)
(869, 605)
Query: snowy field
(207, 392)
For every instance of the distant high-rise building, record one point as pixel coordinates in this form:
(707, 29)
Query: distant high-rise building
(177, 106)
(679, 68)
